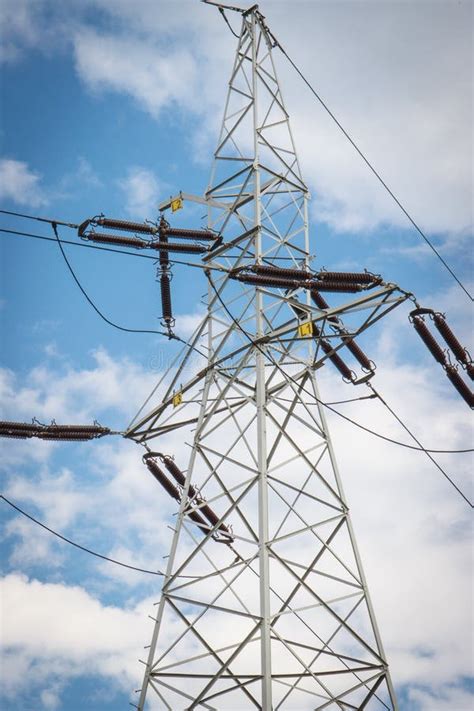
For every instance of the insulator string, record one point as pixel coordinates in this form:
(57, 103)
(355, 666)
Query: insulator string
(313, 395)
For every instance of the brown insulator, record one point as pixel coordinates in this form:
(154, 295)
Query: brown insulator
(298, 274)
(126, 226)
(352, 277)
(204, 235)
(261, 280)
(335, 358)
(177, 474)
(460, 385)
(164, 254)
(321, 303)
(358, 354)
(116, 239)
(340, 286)
(94, 430)
(197, 518)
(18, 426)
(461, 354)
(174, 247)
(470, 370)
(319, 300)
(213, 518)
(204, 508)
(337, 361)
(17, 434)
(161, 477)
(432, 345)
(166, 299)
(50, 434)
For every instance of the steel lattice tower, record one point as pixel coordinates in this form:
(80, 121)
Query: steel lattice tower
(269, 607)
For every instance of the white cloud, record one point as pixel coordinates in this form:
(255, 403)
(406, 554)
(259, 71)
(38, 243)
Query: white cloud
(375, 78)
(18, 28)
(450, 699)
(54, 632)
(188, 323)
(399, 84)
(142, 70)
(410, 526)
(20, 184)
(78, 395)
(142, 192)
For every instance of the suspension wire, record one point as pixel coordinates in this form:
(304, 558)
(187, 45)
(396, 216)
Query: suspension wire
(40, 219)
(118, 251)
(221, 10)
(420, 448)
(77, 545)
(369, 165)
(77, 244)
(172, 336)
(352, 399)
(85, 294)
(414, 438)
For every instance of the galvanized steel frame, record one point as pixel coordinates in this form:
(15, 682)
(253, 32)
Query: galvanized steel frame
(258, 387)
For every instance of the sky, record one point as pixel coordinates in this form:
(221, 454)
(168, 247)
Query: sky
(112, 106)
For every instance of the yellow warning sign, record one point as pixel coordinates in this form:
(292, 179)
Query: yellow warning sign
(177, 399)
(176, 204)
(305, 329)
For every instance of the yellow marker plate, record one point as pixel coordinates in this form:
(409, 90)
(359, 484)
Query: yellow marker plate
(305, 329)
(177, 399)
(176, 204)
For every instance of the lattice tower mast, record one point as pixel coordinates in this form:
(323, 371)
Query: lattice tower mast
(268, 606)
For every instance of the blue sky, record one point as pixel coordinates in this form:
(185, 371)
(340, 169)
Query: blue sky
(113, 106)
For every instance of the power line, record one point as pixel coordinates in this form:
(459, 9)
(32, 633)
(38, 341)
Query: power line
(110, 249)
(107, 320)
(40, 219)
(77, 545)
(371, 167)
(340, 414)
(328, 405)
(76, 244)
(96, 309)
(428, 452)
(121, 251)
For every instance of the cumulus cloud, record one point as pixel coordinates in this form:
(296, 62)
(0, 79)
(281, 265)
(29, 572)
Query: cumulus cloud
(142, 192)
(382, 69)
(445, 700)
(55, 632)
(20, 184)
(77, 395)
(151, 76)
(411, 528)
(19, 29)
(382, 89)
(409, 523)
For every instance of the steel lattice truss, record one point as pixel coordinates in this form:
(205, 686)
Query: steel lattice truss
(275, 614)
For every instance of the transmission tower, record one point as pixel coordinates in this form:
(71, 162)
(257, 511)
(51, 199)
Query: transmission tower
(264, 603)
